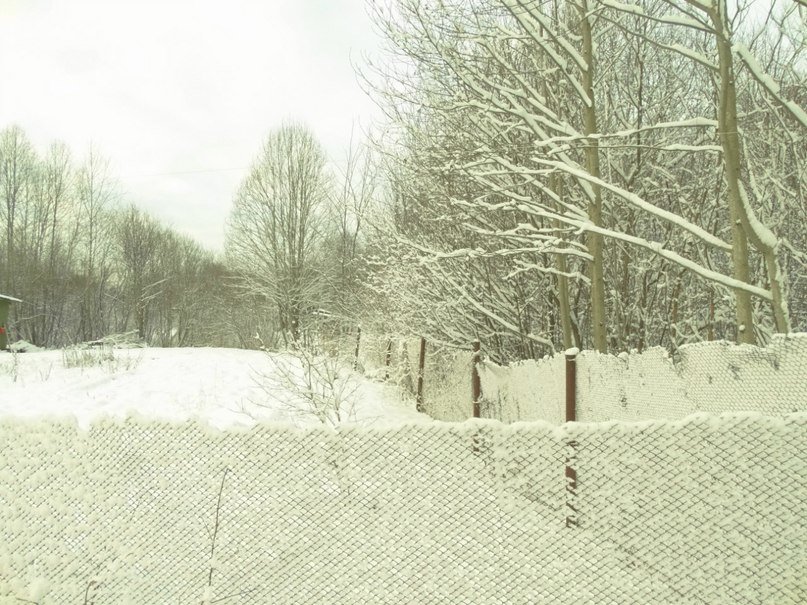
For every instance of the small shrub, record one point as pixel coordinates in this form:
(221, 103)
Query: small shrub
(321, 386)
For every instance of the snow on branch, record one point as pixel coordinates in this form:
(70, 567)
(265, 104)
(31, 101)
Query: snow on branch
(527, 267)
(750, 61)
(635, 9)
(691, 123)
(637, 201)
(527, 18)
(676, 48)
(659, 249)
(493, 316)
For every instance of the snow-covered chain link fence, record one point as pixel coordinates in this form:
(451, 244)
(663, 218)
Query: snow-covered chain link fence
(708, 510)
(714, 377)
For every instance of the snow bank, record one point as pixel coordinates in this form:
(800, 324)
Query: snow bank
(705, 510)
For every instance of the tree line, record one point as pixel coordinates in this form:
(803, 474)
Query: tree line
(594, 173)
(88, 265)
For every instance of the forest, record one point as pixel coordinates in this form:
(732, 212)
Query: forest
(609, 175)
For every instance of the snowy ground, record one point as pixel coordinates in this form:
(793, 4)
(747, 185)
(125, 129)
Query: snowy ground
(221, 387)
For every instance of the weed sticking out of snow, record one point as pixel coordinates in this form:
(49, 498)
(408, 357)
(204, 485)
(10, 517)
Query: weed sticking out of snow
(11, 367)
(45, 372)
(86, 357)
(104, 356)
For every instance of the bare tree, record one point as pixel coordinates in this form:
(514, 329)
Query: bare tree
(17, 165)
(138, 238)
(276, 224)
(97, 196)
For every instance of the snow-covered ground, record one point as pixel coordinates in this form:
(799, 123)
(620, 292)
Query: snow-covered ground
(221, 387)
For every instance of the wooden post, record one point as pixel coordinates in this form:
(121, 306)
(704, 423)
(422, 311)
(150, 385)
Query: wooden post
(476, 383)
(388, 359)
(358, 342)
(421, 366)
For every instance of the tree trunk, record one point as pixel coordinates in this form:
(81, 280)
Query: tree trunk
(594, 241)
(565, 310)
(730, 141)
(744, 224)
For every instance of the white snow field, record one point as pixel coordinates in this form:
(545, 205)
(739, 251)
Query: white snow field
(222, 388)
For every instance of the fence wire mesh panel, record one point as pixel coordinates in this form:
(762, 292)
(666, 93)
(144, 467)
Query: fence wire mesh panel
(702, 511)
(716, 510)
(715, 377)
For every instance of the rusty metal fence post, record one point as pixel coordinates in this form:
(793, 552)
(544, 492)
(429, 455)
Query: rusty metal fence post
(421, 366)
(476, 383)
(571, 385)
(571, 444)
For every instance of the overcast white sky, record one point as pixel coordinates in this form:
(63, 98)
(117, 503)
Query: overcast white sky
(165, 87)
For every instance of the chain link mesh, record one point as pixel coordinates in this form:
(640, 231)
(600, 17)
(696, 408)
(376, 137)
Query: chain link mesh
(714, 377)
(710, 510)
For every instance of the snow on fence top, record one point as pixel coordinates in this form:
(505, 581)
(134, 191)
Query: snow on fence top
(707, 377)
(708, 510)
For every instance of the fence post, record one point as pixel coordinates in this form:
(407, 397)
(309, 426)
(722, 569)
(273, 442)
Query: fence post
(571, 444)
(358, 342)
(571, 384)
(476, 383)
(388, 359)
(421, 366)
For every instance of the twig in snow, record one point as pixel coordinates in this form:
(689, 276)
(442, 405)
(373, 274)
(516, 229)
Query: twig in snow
(216, 528)
(92, 584)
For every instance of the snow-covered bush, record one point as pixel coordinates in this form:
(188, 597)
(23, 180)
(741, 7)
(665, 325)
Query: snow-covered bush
(311, 384)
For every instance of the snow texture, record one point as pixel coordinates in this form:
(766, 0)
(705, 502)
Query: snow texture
(707, 377)
(708, 510)
(526, 390)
